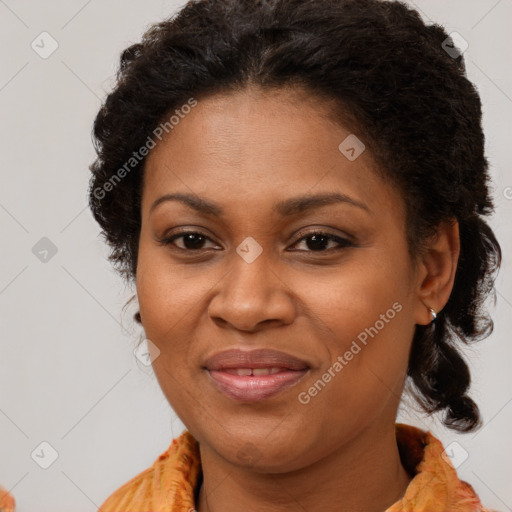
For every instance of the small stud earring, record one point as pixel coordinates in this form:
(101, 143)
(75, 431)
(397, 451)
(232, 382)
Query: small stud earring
(433, 314)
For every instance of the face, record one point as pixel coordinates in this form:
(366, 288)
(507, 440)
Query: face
(266, 266)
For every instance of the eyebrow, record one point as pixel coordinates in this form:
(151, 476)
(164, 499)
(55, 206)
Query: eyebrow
(286, 208)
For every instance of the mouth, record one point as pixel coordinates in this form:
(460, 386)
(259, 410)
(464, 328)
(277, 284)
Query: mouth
(255, 375)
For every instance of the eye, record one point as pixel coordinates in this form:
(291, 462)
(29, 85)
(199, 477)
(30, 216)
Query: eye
(320, 239)
(191, 240)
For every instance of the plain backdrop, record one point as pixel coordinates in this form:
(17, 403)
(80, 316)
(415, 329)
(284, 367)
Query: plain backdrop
(68, 374)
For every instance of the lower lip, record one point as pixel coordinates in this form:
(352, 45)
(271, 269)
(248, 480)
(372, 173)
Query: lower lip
(254, 388)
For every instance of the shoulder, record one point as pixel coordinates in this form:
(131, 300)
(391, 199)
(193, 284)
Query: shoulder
(170, 480)
(435, 484)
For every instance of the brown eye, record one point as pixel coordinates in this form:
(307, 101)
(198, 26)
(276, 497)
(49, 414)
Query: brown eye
(317, 241)
(191, 240)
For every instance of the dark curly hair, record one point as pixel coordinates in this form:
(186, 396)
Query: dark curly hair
(392, 82)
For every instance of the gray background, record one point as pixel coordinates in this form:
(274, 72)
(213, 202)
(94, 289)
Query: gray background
(68, 374)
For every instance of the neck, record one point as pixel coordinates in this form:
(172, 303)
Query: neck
(364, 475)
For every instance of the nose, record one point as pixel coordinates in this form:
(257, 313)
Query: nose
(251, 296)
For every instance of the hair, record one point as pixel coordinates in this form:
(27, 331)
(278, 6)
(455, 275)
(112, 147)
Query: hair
(394, 86)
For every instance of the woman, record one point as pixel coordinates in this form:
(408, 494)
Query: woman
(298, 190)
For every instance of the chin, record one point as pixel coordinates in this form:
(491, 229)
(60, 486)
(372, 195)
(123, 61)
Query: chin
(261, 451)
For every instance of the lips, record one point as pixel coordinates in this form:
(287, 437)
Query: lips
(257, 358)
(254, 375)
(253, 371)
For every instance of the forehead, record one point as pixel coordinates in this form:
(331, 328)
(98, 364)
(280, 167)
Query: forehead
(251, 146)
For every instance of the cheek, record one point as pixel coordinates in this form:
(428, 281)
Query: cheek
(366, 311)
(173, 302)
(168, 305)
(169, 294)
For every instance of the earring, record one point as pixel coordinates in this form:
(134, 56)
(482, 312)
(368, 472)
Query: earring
(433, 314)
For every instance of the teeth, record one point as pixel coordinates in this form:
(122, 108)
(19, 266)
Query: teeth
(243, 371)
(261, 371)
(256, 371)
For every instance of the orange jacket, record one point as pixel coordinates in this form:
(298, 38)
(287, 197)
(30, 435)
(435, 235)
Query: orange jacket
(170, 483)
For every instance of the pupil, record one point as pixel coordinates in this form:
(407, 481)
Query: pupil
(190, 243)
(316, 240)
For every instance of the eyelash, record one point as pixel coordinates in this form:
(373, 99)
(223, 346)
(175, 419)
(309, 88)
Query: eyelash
(343, 242)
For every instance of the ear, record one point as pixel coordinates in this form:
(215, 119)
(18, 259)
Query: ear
(436, 271)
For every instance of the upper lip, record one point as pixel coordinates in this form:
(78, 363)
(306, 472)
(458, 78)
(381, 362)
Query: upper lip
(255, 358)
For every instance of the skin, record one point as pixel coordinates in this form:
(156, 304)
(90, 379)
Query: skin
(246, 151)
